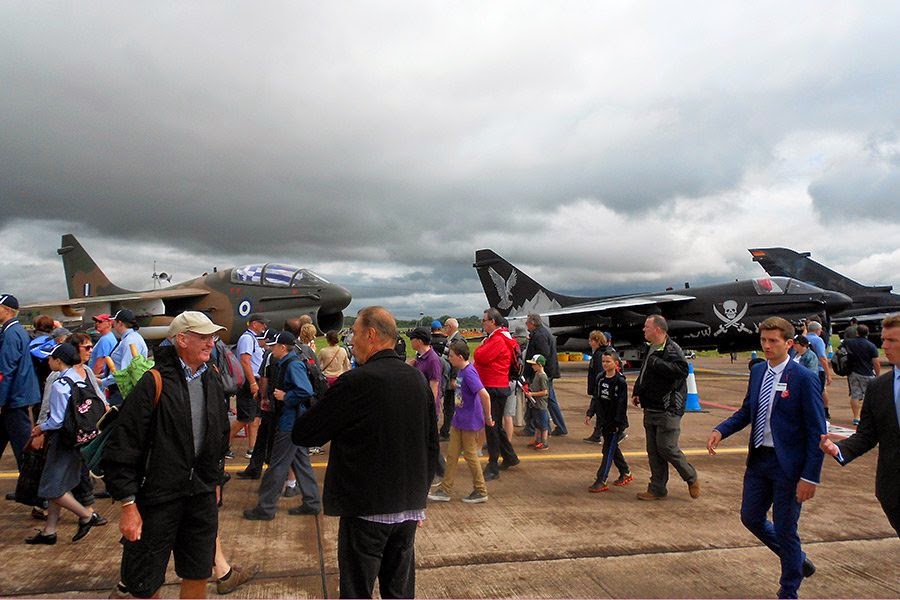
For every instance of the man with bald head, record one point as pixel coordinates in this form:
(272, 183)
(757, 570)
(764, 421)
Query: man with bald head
(380, 420)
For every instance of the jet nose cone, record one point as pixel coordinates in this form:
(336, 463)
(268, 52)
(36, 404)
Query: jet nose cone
(336, 298)
(836, 301)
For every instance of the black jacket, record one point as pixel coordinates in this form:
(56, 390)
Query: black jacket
(380, 420)
(610, 403)
(595, 369)
(541, 341)
(172, 471)
(662, 383)
(878, 426)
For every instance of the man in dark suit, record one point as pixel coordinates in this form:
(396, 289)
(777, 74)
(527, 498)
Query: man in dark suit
(879, 424)
(784, 407)
(380, 420)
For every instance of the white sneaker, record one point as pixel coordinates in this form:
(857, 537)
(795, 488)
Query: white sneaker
(439, 495)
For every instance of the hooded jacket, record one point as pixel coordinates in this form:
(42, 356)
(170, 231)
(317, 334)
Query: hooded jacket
(493, 356)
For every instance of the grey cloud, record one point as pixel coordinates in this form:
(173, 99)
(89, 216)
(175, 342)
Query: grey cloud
(865, 187)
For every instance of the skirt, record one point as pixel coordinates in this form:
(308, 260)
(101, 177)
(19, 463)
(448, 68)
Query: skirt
(62, 473)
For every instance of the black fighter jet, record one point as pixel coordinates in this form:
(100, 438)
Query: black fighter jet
(724, 317)
(871, 303)
(229, 296)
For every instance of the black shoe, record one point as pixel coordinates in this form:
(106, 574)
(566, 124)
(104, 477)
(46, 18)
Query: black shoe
(40, 538)
(491, 472)
(303, 509)
(257, 514)
(248, 475)
(85, 527)
(102, 495)
(38, 515)
(509, 463)
(11, 496)
(809, 568)
(592, 440)
(559, 432)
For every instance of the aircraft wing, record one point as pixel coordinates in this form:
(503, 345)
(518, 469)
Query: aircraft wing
(116, 298)
(606, 305)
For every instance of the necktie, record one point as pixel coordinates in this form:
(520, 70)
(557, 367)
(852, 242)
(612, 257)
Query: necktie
(759, 425)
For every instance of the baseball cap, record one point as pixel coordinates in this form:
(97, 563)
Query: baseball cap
(125, 315)
(265, 334)
(9, 301)
(537, 359)
(420, 333)
(66, 353)
(193, 321)
(102, 318)
(257, 317)
(436, 324)
(282, 337)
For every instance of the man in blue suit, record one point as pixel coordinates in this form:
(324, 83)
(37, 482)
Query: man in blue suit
(784, 407)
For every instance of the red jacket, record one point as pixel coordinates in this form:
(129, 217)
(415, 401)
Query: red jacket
(493, 356)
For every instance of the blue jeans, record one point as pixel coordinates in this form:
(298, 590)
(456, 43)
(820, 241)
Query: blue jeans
(555, 412)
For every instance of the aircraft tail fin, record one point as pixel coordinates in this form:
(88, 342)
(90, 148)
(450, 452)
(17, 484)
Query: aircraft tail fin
(784, 262)
(511, 291)
(84, 278)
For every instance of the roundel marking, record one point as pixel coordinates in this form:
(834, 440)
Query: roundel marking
(244, 308)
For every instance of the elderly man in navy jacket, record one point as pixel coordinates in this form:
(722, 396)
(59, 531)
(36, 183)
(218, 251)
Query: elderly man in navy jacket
(381, 422)
(18, 382)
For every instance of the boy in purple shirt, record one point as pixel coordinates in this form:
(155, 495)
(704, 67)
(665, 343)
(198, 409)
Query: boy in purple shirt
(471, 414)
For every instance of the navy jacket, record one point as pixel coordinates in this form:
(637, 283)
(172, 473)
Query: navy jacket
(18, 382)
(798, 419)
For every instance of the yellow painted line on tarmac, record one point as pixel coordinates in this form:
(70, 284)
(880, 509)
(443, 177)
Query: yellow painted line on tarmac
(548, 455)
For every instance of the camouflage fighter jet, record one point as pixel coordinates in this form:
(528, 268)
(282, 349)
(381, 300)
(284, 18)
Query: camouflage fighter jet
(229, 296)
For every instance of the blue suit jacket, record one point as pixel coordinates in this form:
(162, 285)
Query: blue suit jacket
(798, 419)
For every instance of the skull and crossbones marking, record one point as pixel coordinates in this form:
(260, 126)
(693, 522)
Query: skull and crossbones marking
(731, 318)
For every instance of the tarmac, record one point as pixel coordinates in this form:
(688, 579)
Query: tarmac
(541, 534)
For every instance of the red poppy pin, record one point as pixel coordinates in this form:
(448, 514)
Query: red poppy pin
(785, 394)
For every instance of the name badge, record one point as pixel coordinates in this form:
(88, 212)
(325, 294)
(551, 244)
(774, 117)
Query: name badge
(780, 387)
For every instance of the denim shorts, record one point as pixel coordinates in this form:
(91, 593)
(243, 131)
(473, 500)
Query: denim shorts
(540, 418)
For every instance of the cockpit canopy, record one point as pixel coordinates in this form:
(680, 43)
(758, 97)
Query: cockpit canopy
(770, 286)
(275, 274)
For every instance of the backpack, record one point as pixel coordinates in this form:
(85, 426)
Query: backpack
(83, 412)
(317, 379)
(840, 361)
(92, 452)
(229, 368)
(516, 363)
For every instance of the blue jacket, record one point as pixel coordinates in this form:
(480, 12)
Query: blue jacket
(798, 419)
(293, 379)
(18, 383)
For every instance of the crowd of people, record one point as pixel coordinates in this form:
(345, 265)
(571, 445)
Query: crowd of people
(164, 460)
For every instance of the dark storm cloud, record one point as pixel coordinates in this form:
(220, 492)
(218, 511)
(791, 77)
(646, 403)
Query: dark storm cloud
(862, 187)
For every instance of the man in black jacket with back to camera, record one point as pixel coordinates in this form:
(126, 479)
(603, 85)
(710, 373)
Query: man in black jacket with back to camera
(380, 420)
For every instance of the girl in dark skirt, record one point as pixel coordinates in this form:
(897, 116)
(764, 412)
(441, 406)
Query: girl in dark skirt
(62, 471)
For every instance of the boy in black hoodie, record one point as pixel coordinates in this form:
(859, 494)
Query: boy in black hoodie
(610, 405)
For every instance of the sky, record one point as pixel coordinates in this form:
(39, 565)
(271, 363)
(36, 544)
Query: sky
(602, 147)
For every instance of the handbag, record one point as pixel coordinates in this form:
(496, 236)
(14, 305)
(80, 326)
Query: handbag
(33, 462)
